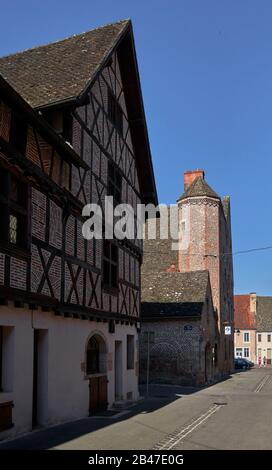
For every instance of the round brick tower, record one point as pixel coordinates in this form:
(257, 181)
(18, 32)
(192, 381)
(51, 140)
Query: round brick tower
(205, 243)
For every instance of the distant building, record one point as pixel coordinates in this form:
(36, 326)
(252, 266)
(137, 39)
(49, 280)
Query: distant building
(245, 326)
(264, 330)
(179, 332)
(253, 328)
(204, 246)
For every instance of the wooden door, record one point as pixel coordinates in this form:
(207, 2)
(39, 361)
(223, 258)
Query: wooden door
(103, 393)
(98, 398)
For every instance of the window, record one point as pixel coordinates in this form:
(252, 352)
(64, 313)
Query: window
(238, 352)
(259, 338)
(62, 122)
(13, 207)
(269, 338)
(18, 133)
(183, 226)
(114, 183)
(96, 355)
(246, 352)
(268, 356)
(110, 265)
(130, 352)
(115, 112)
(93, 356)
(6, 358)
(259, 353)
(246, 337)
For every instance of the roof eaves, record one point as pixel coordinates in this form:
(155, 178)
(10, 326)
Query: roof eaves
(41, 125)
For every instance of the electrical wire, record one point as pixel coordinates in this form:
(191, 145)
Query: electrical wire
(241, 252)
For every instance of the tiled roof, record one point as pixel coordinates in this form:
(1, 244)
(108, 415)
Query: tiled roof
(174, 294)
(158, 253)
(199, 187)
(13, 99)
(61, 70)
(264, 313)
(243, 316)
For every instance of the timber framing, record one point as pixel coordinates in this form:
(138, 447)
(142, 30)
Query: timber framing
(61, 271)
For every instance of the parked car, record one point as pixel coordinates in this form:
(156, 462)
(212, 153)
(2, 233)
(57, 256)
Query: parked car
(251, 364)
(241, 363)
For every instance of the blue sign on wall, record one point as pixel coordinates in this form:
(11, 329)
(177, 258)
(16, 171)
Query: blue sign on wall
(188, 328)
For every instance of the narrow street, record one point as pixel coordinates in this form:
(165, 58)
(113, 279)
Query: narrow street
(234, 414)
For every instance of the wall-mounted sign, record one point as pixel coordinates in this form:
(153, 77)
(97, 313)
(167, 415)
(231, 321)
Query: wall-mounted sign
(188, 327)
(227, 330)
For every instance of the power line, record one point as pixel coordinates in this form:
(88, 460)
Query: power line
(251, 250)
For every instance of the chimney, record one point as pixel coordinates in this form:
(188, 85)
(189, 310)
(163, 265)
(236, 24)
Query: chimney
(190, 176)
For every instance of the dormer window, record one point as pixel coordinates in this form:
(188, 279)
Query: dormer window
(62, 122)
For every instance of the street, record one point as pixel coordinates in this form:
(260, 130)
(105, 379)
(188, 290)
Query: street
(233, 414)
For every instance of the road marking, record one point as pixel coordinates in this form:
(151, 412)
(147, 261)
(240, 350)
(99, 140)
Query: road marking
(173, 439)
(262, 383)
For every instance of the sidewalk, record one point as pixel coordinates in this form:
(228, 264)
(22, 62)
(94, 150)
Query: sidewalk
(48, 438)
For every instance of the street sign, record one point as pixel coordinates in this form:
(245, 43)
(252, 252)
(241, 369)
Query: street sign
(228, 330)
(188, 327)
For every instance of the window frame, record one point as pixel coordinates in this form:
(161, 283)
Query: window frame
(88, 357)
(259, 337)
(238, 349)
(11, 207)
(248, 352)
(248, 335)
(114, 183)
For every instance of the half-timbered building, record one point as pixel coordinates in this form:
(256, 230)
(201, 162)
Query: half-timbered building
(72, 131)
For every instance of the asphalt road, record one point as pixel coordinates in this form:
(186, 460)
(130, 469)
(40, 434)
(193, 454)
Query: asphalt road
(234, 414)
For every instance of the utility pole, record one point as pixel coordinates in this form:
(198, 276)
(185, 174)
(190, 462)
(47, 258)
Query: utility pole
(149, 338)
(148, 362)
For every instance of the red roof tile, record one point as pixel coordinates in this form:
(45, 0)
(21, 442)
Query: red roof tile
(243, 317)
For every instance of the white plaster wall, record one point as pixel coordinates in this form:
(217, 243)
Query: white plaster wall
(263, 345)
(239, 343)
(67, 394)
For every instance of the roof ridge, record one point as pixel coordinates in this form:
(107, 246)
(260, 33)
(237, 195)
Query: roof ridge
(23, 51)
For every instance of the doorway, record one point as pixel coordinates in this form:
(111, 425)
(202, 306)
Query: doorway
(40, 378)
(118, 366)
(96, 369)
(208, 363)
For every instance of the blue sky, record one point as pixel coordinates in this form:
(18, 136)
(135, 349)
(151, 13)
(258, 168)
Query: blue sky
(206, 74)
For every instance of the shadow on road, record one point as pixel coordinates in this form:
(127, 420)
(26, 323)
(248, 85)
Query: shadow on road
(159, 396)
(48, 438)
